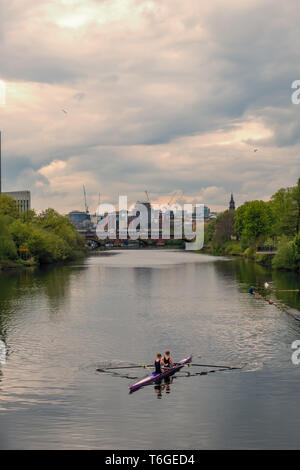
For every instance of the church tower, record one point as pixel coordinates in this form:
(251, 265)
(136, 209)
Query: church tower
(231, 203)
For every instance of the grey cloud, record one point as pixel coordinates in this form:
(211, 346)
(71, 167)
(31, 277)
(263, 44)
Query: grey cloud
(192, 69)
(19, 65)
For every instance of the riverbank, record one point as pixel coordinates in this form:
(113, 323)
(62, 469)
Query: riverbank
(19, 264)
(280, 305)
(6, 265)
(272, 260)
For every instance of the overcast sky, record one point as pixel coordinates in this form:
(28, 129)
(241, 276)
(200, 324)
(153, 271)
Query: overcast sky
(160, 95)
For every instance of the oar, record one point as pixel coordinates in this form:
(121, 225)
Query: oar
(286, 290)
(213, 365)
(144, 366)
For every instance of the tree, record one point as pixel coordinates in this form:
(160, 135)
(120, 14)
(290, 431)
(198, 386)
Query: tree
(253, 221)
(224, 227)
(45, 246)
(61, 226)
(27, 216)
(239, 220)
(50, 237)
(285, 205)
(8, 206)
(296, 198)
(209, 230)
(7, 246)
(288, 254)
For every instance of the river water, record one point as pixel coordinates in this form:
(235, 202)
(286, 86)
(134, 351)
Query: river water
(58, 325)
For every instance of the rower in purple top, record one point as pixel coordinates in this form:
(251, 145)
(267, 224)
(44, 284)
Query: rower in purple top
(167, 361)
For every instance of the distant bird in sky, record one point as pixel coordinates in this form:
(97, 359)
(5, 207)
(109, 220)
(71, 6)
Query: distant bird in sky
(77, 100)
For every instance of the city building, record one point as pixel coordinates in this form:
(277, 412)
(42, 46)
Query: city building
(22, 199)
(79, 217)
(206, 213)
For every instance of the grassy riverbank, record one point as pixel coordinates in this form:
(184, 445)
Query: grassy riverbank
(6, 264)
(234, 248)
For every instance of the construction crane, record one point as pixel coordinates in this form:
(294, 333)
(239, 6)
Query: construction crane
(148, 199)
(175, 196)
(85, 203)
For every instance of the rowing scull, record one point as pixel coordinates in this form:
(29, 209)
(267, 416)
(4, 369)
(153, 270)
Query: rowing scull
(156, 377)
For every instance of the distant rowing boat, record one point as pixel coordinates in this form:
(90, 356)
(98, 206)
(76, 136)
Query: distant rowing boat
(156, 377)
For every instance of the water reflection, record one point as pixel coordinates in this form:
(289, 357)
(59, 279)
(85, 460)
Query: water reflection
(284, 285)
(163, 386)
(49, 286)
(61, 323)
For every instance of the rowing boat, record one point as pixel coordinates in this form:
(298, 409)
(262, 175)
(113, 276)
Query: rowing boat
(157, 377)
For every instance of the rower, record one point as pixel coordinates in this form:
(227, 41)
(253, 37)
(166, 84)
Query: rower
(167, 360)
(157, 364)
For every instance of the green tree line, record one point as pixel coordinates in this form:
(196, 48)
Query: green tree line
(47, 237)
(273, 225)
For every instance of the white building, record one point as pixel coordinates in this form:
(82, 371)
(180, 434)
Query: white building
(22, 198)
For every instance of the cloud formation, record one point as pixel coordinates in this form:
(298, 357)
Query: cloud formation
(128, 95)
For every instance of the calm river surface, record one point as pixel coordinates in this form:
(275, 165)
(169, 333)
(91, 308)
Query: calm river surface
(60, 324)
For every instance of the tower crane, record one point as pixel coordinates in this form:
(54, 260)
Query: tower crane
(175, 196)
(85, 203)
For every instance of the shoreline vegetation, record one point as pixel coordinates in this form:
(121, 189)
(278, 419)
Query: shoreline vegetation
(28, 239)
(265, 232)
